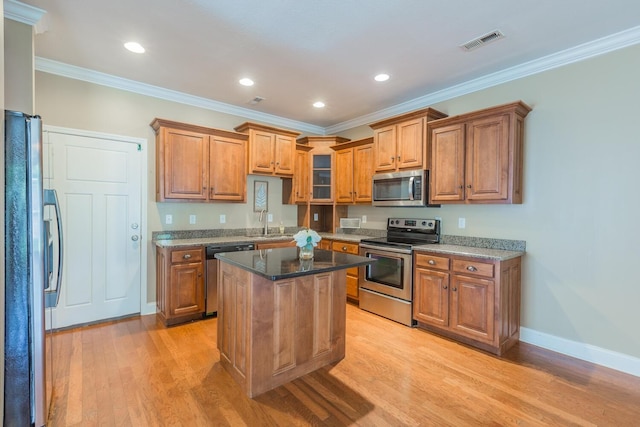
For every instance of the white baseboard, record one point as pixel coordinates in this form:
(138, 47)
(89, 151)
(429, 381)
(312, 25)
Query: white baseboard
(590, 353)
(150, 308)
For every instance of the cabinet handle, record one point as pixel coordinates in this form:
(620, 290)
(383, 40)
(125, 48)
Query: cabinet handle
(344, 248)
(462, 186)
(392, 158)
(431, 262)
(472, 268)
(445, 287)
(468, 185)
(186, 256)
(398, 158)
(211, 192)
(454, 289)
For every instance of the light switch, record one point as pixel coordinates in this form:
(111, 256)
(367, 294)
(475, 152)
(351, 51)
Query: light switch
(270, 218)
(168, 219)
(364, 219)
(223, 219)
(462, 223)
(192, 219)
(315, 216)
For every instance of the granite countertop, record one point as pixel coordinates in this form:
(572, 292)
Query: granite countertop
(255, 239)
(470, 251)
(283, 263)
(494, 249)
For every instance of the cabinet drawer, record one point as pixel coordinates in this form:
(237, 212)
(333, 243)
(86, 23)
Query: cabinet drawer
(477, 268)
(432, 261)
(350, 248)
(186, 255)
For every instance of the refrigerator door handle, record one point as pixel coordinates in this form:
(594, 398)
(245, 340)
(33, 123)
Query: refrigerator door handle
(52, 296)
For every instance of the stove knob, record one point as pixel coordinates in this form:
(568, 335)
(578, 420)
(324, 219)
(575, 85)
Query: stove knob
(424, 223)
(430, 224)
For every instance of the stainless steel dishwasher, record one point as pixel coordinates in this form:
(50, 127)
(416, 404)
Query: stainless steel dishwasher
(211, 284)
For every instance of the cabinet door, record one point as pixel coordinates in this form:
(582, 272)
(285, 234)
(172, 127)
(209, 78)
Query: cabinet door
(227, 169)
(431, 297)
(284, 153)
(410, 145)
(344, 176)
(352, 273)
(447, 164)
(472, 307)
(187, 289)
(487, 162)
(184, 175)
(261, 151)
(384, 146)
(301, 187)
(362, 173)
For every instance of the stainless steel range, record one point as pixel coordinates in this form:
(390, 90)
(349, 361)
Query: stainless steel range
(386, 286)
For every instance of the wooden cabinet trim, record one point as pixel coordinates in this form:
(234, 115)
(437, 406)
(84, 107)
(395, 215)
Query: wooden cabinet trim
(157, 124)
(428, 113)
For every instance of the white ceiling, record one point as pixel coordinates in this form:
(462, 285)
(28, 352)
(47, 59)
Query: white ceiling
(300, 51)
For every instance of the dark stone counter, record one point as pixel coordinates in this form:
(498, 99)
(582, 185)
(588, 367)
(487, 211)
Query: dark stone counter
(283, 263)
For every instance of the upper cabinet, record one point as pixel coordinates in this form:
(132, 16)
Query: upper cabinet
(477, 157)
(354, 171)
(199, 164)
(399, 143)
(271, 150)
(321, 166)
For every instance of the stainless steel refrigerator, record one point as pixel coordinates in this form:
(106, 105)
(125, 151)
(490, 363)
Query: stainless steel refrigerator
(31, 244)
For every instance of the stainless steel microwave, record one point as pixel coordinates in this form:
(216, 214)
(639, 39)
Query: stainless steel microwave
(407, 188)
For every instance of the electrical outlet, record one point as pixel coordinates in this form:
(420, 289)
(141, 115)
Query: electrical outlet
(364, 219)
(192, 219)
(223, 219)
(462, 223)
(269, 217)
(168, 219)
(315, 216)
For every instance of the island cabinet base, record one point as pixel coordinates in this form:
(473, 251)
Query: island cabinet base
(270, 333)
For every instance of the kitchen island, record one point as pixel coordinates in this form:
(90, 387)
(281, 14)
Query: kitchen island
(279, 317)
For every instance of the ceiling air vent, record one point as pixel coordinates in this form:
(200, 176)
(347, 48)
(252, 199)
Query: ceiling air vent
(256, 100)
(482, 40)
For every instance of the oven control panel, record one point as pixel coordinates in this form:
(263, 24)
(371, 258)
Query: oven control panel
(413, 223)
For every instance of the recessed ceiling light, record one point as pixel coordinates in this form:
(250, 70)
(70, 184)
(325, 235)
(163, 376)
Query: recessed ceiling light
(134, 47)
(246, 82)
(381, 77)
(318, 104)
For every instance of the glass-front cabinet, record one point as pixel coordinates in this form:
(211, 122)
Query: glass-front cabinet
(321, 177)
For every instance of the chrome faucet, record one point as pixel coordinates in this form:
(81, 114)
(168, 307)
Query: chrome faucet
(266, 220)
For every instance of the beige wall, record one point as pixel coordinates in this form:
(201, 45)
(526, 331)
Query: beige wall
(18, 71)
(580, 210)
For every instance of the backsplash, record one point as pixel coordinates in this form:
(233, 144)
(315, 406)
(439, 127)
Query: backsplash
(484, 242)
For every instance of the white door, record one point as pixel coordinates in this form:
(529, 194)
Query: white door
(98, 181)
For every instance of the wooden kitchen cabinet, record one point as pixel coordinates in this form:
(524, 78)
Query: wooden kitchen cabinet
(321, 166)
(180, 291)
(400, 143)
(352, 273)
(476, 301)
(477, 157)
(301, 183)
(199, 164)
(278, 244)
(271, 150)
(354, 171)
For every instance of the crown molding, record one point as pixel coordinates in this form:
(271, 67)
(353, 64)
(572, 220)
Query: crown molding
(579, 53)
(103, 79)
(21, 12)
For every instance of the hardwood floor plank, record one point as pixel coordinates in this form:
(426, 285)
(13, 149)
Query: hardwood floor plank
(136, 372)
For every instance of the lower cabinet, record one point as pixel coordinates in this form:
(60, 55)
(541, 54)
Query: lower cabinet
(475, 301)
(278, 244)
(180, 291)
(352, 273)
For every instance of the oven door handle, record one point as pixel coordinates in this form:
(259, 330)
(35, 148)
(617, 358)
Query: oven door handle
(381, 249)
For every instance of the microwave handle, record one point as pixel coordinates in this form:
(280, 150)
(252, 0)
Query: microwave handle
(411, 187)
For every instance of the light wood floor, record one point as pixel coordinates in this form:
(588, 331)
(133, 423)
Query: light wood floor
(135, 372)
